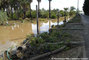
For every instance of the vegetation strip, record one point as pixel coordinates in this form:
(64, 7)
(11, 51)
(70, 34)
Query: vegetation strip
(75, 23)
(49, 53)
(68, 29)
(71, 29)
(66, 43)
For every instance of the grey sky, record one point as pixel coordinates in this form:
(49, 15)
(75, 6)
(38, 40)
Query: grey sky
(59, 4)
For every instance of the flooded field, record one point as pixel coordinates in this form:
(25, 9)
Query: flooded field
(13, 35)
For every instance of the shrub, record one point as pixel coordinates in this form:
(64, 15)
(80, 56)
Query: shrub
(10, 16)
(45, 36)
(55, 33)
(62, 13)
(36, 41)
(53, 16)
(15, 16)
(34, 14)
(20, 13)
(28, 14)
(3, 17)
(44, 14)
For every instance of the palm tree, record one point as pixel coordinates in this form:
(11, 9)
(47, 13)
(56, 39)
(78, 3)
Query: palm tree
(65, 14)
(18, 8)
(39, 7)
(11, 5)
(65, 10)
(24, 5)
(49, 8)
(72, 8)
(7, 7)
(30, 1)
(71, 12)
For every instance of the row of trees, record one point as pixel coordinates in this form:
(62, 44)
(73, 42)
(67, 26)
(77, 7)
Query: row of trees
(86, 7)
(22, 8)
(45, 13)
(18, 6)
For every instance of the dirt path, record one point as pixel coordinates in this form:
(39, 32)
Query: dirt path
(85, 21)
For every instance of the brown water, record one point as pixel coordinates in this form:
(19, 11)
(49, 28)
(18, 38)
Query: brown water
(15, 34)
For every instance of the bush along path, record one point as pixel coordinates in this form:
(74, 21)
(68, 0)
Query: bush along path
(66, 39)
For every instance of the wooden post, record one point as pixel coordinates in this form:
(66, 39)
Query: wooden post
(37, 20)
(38, 8)
(64, 18)
(49, 24)
(49, 9)
(58, 18)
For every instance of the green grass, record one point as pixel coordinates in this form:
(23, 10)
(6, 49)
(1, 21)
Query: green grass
(76, 19)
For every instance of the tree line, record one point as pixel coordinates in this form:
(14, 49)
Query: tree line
(16, 9)
(18, 6)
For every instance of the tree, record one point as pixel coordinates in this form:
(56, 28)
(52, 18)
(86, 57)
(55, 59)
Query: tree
(11, 5)
(49, 8)
(72, 12)
(24, 4)
(4, 4)
(86, 7)
(30, 1)
(65, 10)
(72, 8)
(38, 7)
(65, 14)
(44, 13)
(62, 13)
(18, 8)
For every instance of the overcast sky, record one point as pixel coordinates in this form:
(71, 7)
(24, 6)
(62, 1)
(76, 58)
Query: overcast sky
(59, 4)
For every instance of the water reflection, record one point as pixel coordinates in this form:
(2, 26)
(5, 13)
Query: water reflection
(14, 35)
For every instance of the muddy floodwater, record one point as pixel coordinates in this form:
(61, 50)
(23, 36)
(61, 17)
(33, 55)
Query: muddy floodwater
(13, 35)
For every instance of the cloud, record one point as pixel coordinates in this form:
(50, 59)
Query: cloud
(59, 4)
